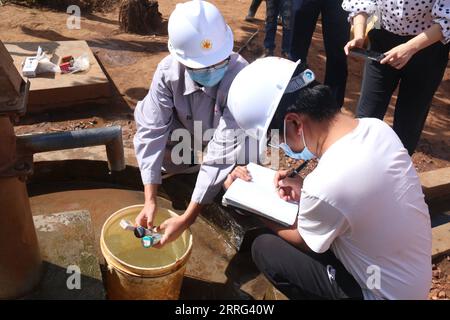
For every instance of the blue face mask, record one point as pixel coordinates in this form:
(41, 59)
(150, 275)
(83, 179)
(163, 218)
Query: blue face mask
(304, 155)
(208, 77)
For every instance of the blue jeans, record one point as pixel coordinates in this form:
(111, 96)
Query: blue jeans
(273, 9)
(336, 34)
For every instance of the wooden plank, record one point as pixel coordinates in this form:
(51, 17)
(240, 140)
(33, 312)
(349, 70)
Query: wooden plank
(435, 183)
(441, 240)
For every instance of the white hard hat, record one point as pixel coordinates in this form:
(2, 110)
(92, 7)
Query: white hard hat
(257, 90)
(198, 35)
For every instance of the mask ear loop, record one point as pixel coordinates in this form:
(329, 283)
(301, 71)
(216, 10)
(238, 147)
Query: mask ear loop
(303, 138)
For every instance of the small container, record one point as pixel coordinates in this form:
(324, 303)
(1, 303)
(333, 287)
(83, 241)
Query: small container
(150, 241)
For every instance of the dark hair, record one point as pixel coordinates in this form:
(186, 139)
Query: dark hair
(314, 100)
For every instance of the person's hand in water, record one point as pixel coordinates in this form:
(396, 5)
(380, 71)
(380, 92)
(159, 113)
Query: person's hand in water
(147, 215)
(171, 229)
(288, 188)
(240, 172)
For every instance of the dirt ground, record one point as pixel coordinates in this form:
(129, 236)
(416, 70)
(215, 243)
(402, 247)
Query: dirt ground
(440, 286)
(130, 60)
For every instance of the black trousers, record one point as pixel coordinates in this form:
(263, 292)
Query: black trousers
(418, 80)
(254, 7)
(336, 34)
(302, 275)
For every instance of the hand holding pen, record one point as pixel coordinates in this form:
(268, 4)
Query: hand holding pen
(288, 183)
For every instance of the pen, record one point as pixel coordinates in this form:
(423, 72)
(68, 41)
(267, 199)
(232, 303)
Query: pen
(294, 172)
(298, 169)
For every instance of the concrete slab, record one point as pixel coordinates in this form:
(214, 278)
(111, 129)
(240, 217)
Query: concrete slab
(436, 187)
(273, 293)
(435, 183)
(441, 240)
(49, 91)
(67, 245)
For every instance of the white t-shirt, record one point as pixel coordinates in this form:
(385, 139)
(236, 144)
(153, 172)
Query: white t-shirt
(364, 202)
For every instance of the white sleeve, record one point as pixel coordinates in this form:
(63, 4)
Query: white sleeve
(319, 223)
(354, 7)
(153, 117)
(441, 14)
(221, 156)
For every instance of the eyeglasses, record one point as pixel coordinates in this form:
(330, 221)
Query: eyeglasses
(217, 66)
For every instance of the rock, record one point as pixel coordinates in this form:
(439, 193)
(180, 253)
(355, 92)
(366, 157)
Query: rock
(436, 273)
(434, 297)
(442, 295)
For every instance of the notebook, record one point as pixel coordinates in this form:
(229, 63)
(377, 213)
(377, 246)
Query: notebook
(259, 196)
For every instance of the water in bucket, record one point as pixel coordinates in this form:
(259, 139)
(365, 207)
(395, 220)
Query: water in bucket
(126, 247)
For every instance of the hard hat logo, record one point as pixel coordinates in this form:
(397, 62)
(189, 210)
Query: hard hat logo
(206, 44)
(198, 35)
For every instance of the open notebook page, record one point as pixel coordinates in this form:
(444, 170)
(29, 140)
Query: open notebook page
(259, 196)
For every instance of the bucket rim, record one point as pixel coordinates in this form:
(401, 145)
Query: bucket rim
(140, 271)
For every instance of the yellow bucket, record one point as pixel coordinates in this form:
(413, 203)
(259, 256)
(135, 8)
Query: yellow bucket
(135, 272)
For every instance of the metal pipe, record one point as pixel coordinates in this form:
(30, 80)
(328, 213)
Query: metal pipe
(111, 137)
